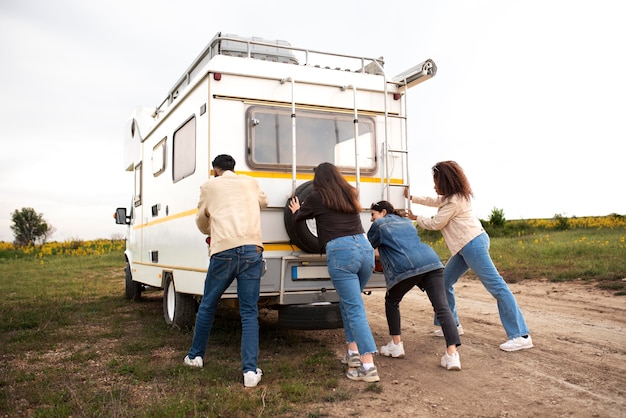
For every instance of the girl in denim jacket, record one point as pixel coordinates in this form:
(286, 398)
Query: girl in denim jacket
(408, 262)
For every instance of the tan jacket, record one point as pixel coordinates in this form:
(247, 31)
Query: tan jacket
(454, 219)
(229, 211)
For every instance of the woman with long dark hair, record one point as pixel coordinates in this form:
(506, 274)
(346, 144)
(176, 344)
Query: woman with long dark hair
(335, 206)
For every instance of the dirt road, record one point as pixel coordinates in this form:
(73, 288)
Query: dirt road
(577, 367)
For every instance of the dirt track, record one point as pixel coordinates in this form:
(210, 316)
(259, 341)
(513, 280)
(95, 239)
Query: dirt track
(577, 367)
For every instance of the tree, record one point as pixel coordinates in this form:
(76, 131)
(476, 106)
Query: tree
(497, 219)
(29, 226)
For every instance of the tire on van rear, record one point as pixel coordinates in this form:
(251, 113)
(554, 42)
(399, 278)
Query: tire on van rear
(303, 234)
(310, 316)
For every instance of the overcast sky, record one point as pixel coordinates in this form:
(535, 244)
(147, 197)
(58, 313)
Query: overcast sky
(529, 98)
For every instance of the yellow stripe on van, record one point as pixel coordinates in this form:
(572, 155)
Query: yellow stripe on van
(283, 175)
(168, 218)
(262, 174)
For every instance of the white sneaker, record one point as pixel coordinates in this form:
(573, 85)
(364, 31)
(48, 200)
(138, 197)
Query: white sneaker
(519, 343)
(452, 362)
(251, 378)
(393, 350)
(194, 362)
(439, 332)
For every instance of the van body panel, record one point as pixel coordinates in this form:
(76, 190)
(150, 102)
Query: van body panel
(266, 104)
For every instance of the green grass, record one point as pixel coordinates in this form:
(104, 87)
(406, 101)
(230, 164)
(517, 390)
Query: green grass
(595, 255)
(71, 345)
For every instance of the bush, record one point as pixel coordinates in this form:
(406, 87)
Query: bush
(497, 219)
(562, 223)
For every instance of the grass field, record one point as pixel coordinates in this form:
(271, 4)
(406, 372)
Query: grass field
(73, 346)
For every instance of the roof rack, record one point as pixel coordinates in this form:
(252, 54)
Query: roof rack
(274, 51)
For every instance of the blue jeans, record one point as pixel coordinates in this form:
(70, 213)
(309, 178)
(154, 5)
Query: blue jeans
(350, 265)
(475, 256)
(245, 263)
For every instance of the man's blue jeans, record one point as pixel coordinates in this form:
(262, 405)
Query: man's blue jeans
(244, 263)
(350, 265)
(475, 256)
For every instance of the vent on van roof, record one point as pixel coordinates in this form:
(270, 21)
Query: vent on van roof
(262, 49)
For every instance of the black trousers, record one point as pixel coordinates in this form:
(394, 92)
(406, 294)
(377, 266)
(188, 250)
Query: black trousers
(432, 284)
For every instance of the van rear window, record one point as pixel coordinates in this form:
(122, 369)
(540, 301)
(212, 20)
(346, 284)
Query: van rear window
(320, 137)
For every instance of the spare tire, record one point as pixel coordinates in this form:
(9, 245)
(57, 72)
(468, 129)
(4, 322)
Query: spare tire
(303, 234)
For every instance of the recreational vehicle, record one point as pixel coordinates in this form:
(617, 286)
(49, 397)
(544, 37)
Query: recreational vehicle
(279, 111)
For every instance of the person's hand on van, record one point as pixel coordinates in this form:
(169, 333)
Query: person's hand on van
(294, 204)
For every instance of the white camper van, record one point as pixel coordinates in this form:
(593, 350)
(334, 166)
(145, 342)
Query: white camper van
(279, 111)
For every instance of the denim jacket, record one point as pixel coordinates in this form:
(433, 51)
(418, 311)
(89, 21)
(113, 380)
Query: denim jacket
(402, 252)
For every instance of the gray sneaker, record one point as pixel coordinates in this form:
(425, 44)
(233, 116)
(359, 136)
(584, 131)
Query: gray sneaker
(352, 360)
(369, 375)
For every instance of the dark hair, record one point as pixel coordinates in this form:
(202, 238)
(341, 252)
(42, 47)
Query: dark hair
(450, 179)
(383, 204)
(337, 194)
(224, 162)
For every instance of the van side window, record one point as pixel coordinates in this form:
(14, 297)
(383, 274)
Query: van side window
(184, 150)
(320, 137)
(158, 158)
(138, 171)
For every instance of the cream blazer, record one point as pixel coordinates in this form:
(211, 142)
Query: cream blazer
(454, 219)
(229, 211)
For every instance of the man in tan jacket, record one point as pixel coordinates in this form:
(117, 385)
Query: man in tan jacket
(229, 212)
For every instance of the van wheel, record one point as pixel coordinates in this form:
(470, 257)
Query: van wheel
(179, 309)
(310, 316)
(303, 234)
(133, 289)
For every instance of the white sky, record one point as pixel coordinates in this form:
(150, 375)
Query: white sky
(530, 97)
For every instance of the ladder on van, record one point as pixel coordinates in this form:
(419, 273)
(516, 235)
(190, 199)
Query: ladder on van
(400, 154)
(407, 79)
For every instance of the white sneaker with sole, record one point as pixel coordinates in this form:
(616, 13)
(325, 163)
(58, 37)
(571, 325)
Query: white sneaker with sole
(452, 362)
(252, 378)
(393, 350)
(194, 362)
(519, 343)
(439, 332)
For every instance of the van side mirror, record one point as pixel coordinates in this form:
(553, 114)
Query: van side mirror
(120, 217)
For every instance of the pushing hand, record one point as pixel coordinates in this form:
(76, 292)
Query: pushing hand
(294, 204)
